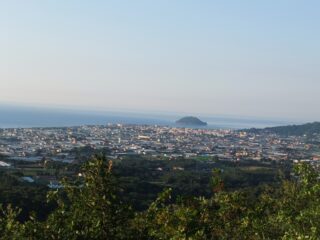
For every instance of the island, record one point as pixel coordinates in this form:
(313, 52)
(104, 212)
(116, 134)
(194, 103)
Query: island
(191, 121)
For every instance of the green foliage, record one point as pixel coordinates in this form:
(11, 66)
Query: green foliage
(10, 228)
(292, 130)
(91, 208)
(28, 197)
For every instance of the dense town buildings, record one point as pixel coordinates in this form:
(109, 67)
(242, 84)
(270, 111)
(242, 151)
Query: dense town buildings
(32, 144)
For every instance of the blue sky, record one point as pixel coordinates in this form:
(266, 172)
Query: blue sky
(244, 58)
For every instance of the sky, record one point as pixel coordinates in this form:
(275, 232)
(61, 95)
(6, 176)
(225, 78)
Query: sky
(241, 58)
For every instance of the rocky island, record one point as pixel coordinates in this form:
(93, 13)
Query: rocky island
(191, 121)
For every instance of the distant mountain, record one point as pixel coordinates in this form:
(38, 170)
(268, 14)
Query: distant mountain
(191, 121)
(291, 130)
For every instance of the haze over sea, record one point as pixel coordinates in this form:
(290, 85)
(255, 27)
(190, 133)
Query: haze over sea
(27, 117)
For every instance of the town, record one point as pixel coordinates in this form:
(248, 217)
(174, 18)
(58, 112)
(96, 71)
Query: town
(57, 144)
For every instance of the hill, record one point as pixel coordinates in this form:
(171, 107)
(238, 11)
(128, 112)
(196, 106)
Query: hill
(191, 121)
(293, 130)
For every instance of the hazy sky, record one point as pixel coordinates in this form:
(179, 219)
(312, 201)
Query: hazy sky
(248, 58)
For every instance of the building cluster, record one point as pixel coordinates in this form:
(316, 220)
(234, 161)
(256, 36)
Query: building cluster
(59, 144)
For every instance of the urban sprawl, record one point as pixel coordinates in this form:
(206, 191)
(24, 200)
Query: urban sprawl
(56, 144)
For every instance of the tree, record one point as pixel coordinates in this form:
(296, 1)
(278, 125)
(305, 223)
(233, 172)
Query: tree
(91, 208)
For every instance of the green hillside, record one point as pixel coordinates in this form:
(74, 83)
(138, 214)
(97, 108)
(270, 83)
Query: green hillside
(293, 130)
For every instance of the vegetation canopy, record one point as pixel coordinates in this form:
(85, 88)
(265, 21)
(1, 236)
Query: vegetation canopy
(92, 207)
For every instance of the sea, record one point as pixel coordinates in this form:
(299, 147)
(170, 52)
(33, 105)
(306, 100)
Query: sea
(31, 117)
